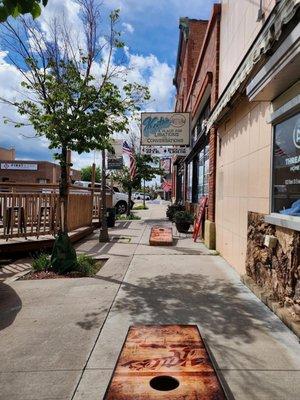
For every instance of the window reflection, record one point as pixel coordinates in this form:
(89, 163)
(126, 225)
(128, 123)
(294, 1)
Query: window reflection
(286, 167)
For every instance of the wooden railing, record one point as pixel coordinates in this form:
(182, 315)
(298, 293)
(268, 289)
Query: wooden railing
(34, 210)
(28, 214)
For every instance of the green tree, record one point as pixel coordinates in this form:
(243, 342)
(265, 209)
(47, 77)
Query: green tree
(86, 173)
(15, 8)
(123, 177)
(146, 170)
(66, 104)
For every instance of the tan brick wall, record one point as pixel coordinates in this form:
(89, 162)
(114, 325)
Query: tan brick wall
(7, 154)
(242, 178)
(239, 28)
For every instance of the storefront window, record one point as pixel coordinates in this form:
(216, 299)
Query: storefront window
(189, 182)
(286, 167)
(203, 172)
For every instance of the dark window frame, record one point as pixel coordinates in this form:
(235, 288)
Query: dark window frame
(283, 119)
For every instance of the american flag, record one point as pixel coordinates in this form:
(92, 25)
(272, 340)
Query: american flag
(166, 186)
(130, 152)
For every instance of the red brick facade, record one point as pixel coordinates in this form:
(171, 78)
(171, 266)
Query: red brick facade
(199, 58)
(192, 33)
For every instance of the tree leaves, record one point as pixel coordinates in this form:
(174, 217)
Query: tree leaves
(15, 8)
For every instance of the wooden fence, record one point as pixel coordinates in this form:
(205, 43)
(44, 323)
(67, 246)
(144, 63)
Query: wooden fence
(34, 210)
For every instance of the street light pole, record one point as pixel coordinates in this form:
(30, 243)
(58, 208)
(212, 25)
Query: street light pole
(103, 237)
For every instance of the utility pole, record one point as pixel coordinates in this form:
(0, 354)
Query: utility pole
(103, 237)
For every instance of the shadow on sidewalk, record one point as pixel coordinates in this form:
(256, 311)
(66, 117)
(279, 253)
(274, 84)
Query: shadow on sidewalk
(10, 305)
(227, 317)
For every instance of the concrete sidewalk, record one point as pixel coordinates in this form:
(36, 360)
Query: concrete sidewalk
(61, 338)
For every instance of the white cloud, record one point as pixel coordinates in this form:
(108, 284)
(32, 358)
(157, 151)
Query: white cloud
(144, 69)
(128, 27)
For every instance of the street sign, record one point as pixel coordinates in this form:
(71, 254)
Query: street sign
(114, 162)
(165, 129)
(165, 151)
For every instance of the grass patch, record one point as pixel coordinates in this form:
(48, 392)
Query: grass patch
(124, 217)
(140, 207)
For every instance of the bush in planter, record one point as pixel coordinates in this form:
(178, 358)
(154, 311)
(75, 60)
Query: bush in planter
(85, 265)
(183, 221)
(172, 209)
(41, 263)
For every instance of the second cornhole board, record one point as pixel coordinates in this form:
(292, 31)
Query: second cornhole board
(164, 362)
(161, 236)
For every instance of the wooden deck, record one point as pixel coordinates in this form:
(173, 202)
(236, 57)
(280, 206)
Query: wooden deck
(18, 245)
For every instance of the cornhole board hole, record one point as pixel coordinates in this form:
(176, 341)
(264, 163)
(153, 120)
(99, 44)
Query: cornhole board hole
(161, 236)
(164, 362)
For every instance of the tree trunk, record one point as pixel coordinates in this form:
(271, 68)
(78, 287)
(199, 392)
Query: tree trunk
(129, 201)
(64, 190)
(103, 237)
(144, 186)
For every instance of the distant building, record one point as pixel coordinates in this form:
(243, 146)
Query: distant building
(7, 154)
(24, 171)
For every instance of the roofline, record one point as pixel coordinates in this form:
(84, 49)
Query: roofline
(180, 43)
(216, 11)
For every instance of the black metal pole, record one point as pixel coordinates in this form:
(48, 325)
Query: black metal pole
(103, 237)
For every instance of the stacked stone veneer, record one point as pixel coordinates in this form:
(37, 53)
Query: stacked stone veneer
(277, 270)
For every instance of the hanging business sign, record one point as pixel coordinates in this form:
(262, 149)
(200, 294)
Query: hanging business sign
(114, 162)
(165, 129)
(165, 151)
(19, 166)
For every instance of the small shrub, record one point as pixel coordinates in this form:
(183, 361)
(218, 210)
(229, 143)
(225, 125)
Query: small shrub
(42, 263)
(140, 207)
(85, 265)
(183, 216)
(172, 209)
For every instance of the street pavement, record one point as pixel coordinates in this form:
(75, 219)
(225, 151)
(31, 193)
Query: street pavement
(60, 339)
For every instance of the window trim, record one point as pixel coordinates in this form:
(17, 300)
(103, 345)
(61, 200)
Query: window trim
(286, 221)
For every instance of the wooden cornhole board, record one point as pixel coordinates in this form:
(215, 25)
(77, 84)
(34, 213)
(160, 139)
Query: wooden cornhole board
(161, 236)
(164, 362)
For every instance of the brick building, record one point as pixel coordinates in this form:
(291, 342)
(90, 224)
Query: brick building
(196, 81)
(23, 171)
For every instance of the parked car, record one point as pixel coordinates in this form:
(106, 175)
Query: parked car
(119, 199)
(140, 196)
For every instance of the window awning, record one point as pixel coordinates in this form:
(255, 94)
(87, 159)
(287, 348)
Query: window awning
(283, 12)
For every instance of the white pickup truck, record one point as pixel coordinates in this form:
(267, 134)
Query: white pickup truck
(119, 199)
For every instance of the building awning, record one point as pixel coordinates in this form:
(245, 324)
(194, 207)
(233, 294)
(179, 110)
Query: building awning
(280, 72)
(282, 13)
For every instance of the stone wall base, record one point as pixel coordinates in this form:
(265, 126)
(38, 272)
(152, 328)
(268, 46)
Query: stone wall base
(284, 313)
(210, 235)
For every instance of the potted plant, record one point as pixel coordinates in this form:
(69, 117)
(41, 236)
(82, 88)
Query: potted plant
(183, 221)
(172, 209)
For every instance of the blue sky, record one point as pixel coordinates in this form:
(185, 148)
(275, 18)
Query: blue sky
(150, 30)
